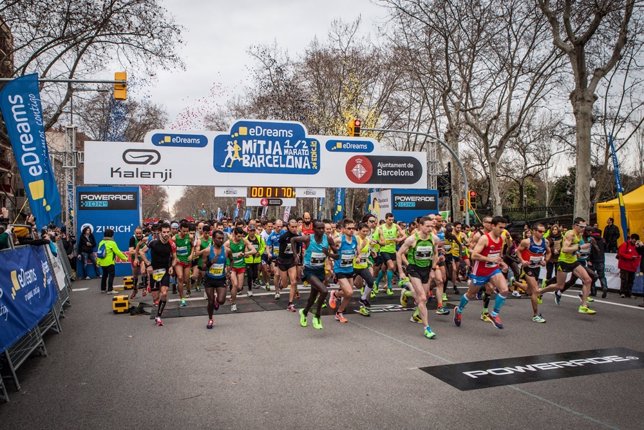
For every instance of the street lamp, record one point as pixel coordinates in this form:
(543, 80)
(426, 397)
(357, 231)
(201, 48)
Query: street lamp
(593, 184)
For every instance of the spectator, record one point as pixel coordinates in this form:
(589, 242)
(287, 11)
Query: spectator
(5, 237)
(86, 245)
(107, 263)
(611, 234)
(640, 250)
(628, 264)
(597, 261)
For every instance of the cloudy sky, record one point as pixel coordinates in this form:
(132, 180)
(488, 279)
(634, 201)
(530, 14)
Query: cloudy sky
(219, 33)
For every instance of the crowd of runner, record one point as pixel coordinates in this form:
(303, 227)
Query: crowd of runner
(228, 257)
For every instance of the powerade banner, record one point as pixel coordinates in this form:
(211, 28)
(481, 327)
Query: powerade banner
(117, 208)
(27, 292)
(22, 112)
(406, 205)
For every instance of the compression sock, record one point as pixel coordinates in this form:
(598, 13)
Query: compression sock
(499, 301)
(161, 307)
(381, 275)
(367, 292)
(464, 301)
(390, 278)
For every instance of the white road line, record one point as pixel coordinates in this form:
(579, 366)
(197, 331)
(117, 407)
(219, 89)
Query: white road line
(447, 361)
(80, 289)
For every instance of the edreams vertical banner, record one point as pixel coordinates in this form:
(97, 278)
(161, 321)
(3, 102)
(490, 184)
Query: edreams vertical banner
(22, 112)
(117, 208)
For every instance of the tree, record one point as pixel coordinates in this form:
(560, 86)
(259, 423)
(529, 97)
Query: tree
(592, 35)
(71, 39)
(154, 201)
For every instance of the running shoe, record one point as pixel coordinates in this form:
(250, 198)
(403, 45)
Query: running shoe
(485, 316)
(539, 299)
(429, 334)
(442, 311)
(303, 321)
(87, 278)
(340, 318)
(516, 293)
(557, 297)
(375, 289)
(215, 305)
(155, 302)
(233, 307)
(317, 323)
(365, 303)
(457, 317)
(390, 292)
(306, 284)
(496, 321)
(210, 324)
(415, 318)
(403, 298)
(332, 300)
(455, 289)
(538, 319)
(445, 298)
(277, 295)
(183, 303)
(362, 291)
(133, 295)
(373, 294)
(297, 293)
(250, 293)
(589, 299)
(158, 322)
(586, 310)
(291, 308)
(364, 311)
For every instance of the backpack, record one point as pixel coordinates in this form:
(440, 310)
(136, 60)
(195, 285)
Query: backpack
(102, 251)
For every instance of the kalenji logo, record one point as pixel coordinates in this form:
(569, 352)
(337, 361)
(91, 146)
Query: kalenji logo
(141, 156)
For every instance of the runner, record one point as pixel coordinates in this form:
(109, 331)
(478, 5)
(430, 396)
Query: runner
(361, 267)
(238, 247)
(135, 260)
(273, 243)
(389, 235)
(418, 255)
(286, 263)
(485, 291)
(487, 262)
(213, 264)
(160, 267)
(204, 243)
(183, 261)
(347, 249)
(317, 251)
(533, 254)
(568, 263)
(254, 261)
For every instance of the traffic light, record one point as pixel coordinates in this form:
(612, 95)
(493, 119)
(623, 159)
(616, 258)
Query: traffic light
(462, 204)
(353, 127)
(120, 88)
(471, 197)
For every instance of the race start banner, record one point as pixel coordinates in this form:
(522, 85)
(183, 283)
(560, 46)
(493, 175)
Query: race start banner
(252, 152)
(117, 208)
(27, 292)
(22, 112)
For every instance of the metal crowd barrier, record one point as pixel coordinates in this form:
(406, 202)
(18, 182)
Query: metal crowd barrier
(13, 357)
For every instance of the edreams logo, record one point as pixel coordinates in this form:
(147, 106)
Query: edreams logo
(349, 146)
(141, 156)
(180, 140)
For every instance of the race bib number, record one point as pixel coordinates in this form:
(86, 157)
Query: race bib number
(182, 250)
(216, 269)
(317, 258)
(424, 253)
(237, 255)
(346, 260)
(535, 260)
(158, 274)
(491, 265)
(288, 249)
(447, 247)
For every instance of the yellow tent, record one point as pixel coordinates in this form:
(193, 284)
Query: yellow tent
(634, 203)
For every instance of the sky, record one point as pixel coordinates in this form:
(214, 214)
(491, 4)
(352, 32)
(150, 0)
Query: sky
(217, 37)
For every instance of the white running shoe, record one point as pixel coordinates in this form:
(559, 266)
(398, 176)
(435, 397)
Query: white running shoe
(233, 307)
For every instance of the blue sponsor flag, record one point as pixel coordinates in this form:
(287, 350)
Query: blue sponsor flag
(620, 190)
(22, 112)
(247, 214)
(338, 213)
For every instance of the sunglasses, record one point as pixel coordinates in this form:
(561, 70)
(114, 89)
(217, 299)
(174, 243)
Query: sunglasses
(350, 228)
(540, 231)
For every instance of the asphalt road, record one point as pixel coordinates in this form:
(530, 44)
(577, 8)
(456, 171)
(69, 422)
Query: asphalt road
(262, 370)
